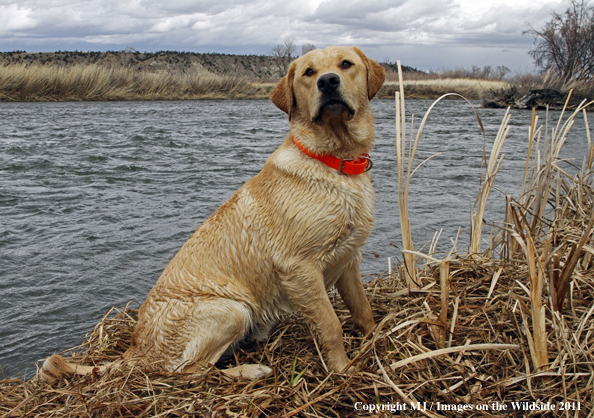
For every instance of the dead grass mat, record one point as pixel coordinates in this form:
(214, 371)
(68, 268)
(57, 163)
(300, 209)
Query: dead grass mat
(408, 326)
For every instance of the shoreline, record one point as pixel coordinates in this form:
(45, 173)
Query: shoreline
(35, 82)
(21, 82)
(413, 90)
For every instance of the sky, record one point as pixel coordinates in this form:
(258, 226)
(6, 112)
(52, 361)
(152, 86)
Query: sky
(426, 34)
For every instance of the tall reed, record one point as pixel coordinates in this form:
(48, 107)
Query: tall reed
(551, 243)
(476, 224)
(400, 143)
(405, 170)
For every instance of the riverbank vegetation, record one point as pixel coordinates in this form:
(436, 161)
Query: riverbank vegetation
(473, 89)
(542, 91)
(90, 82)
(506, 325)
(22, 82)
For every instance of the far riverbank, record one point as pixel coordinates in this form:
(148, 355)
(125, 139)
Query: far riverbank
(89, 82)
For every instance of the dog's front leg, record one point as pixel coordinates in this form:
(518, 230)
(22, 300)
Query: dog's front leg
(305, 288)
(350, 289)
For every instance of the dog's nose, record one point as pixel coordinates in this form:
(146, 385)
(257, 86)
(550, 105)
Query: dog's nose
(328, 82)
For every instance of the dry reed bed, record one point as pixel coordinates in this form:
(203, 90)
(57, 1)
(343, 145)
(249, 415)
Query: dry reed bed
(408, 326)
(472, 89)
(22, 82)
(513, 323)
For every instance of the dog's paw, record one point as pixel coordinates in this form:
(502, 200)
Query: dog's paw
(248, 371)
(350, 370)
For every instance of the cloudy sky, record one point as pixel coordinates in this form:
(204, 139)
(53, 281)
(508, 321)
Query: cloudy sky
(427, 34)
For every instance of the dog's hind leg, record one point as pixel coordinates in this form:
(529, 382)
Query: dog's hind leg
(258, 333)
(217, 325)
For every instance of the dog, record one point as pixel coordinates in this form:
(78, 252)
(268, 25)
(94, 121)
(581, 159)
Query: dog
(282, 240)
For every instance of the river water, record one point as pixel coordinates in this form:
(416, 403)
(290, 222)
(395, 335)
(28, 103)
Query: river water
(96, 197)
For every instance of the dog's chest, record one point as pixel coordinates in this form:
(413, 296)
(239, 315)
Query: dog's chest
(347, 219)
(310, 214)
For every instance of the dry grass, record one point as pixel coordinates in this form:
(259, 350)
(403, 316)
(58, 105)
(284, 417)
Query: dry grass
(550, 80)
(88, 82)
(511, 324)
(20, 82)
(432, 89)
(520, 89)
(488, 360)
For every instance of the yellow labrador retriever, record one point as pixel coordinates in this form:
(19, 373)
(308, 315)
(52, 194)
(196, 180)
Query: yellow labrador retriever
(282, 240)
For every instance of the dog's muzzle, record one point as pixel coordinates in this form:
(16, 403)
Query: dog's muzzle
(332, 103)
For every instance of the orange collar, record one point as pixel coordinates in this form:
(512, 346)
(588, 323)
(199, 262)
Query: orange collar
(353, 167)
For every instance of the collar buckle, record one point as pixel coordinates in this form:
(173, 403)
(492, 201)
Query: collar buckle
(368, 166)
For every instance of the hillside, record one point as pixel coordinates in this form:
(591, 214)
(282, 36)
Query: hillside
(255, 67)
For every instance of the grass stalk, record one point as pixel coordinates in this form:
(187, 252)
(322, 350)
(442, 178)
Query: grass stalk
(538, 338)
(564, 279)
(450, 350)
(444, 281)
(402, 167)
(474, 246)
(533, 124)
(400, 143)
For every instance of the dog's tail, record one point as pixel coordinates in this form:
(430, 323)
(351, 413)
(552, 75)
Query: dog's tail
(56, 368)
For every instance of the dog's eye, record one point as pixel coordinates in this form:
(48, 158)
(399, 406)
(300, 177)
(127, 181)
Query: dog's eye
(309, 72)
(346, 64)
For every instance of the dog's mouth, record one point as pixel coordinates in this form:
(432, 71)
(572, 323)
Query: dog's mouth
(333, 109)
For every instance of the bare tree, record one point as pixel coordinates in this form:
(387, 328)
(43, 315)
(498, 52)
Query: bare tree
(489, 73)
(290, 48)
(501, 71)
(284, 53)
(566, 43)
(305, 48)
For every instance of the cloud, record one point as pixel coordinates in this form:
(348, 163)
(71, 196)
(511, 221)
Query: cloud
(387, 27)
(382, 15)
(15, 18)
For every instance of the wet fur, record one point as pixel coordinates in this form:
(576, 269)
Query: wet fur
(279, 243)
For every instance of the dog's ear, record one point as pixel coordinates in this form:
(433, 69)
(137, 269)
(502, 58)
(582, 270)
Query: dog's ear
(376, 74)
(282, 95)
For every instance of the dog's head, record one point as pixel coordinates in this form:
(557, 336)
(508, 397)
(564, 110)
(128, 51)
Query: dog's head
(326, 85)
